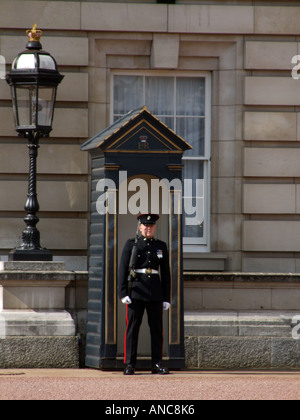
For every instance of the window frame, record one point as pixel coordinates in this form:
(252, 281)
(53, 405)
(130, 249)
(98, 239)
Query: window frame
(201, 244)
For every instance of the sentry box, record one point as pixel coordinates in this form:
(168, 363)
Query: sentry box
(136, 168)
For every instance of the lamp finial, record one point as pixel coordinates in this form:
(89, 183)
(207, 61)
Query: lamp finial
(34, 36)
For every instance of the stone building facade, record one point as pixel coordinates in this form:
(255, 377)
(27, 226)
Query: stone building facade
(243, 56)
(243, 49)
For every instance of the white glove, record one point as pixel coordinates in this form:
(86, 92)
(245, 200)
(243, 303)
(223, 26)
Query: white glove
(166, 306)
(126, 300)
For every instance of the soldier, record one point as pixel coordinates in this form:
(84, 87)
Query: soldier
(150, 291)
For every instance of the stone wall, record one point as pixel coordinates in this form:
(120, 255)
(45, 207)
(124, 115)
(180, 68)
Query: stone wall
(248, 51)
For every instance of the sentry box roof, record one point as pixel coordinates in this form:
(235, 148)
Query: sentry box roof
(138, 131)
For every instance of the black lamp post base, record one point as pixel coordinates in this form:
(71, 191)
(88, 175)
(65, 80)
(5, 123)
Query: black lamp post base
(30, 255)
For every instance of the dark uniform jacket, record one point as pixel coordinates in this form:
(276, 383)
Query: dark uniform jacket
(152, 253)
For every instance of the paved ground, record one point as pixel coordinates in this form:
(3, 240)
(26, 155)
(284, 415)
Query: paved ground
(87, 384)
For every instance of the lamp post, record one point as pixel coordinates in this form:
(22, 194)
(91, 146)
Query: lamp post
(33, 79)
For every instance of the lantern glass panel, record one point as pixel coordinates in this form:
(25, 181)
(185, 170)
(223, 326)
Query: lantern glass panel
(46, 106)
(24, 105)
(24, 62)
(46, 62)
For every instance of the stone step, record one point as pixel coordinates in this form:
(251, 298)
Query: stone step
(241, 323)
(36, 323)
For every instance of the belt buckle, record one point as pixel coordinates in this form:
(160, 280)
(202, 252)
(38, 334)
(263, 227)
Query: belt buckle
(148, 271)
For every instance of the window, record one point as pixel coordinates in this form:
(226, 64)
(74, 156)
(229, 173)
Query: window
(182, 102)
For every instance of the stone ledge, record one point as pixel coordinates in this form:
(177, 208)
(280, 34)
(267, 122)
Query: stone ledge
(35, 278)
(235, 277)
(36, 273)
(37, 285)
(39, 266)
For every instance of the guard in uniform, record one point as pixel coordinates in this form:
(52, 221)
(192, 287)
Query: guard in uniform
(151, 292)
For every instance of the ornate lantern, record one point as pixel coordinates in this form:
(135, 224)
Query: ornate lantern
(33, 79)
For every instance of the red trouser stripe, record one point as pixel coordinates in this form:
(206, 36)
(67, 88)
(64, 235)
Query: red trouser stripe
(125, 338)
(162, 341)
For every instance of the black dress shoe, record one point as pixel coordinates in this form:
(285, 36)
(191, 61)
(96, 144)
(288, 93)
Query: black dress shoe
(129, 370)
(158, 369)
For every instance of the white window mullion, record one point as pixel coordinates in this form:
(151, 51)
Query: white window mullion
(175, 105)
(144, 90)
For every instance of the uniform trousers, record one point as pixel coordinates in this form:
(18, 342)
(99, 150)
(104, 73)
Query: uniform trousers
(134, 317)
